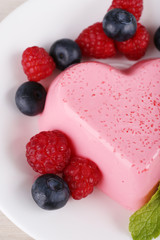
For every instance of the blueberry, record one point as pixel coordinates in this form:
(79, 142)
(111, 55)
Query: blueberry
(30, 98)
(157, 39)
(50, 192)
(65, 52)
(119, 24)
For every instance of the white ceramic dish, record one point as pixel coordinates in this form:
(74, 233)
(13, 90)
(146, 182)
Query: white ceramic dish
(41, 22)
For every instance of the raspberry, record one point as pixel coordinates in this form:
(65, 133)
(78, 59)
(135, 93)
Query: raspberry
(48, 152)
(93, 42)
(37, 64)
(81, 176)
(136, 47)
(133, 6)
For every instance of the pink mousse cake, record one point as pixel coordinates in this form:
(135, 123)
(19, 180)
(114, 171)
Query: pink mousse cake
(113, 118)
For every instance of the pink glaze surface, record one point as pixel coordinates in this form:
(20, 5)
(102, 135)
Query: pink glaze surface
(113, 118)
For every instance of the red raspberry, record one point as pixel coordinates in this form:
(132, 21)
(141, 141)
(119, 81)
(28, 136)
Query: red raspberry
(136, 47)
(133, 6)
(37, 64)
(48, 152)
(94, 42)
(81, 176)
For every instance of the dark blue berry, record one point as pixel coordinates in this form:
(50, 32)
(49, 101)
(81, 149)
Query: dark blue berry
(50, 192)
(119, 24)
(157, 39)
(65, 52)
(30, 98)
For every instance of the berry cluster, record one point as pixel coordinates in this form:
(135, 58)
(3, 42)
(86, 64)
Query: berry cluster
(122, 32)
(38, 64)
(49, 153)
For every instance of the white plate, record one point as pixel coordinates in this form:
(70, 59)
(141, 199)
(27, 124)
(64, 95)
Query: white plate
(41, 22)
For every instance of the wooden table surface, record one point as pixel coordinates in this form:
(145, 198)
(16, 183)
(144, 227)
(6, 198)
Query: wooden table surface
(8, 231)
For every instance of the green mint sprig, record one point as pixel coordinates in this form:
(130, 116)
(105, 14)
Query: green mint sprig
(145, 223)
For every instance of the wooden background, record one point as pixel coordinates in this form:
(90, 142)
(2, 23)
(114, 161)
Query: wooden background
(8, 231)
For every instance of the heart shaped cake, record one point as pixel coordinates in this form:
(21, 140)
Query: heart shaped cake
(113, 118)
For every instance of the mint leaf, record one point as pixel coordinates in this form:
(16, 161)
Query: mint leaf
(145, 223)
